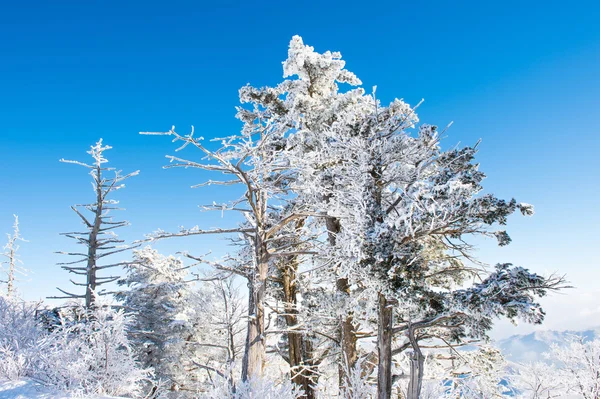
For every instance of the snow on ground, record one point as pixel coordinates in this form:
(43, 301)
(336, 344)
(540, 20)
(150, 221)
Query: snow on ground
(27, 389)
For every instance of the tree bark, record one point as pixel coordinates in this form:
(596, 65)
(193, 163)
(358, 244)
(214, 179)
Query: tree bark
(300, 363)
(253, 362)
(93, 243)
(299, 345)
(347, 331)
(384, 348)
(349, 352)
(416, 367)
(254, 355)
(10, 288)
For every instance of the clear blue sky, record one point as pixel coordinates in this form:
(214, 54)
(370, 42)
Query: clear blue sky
(522, 76)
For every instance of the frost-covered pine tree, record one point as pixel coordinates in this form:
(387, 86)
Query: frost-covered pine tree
(317, 107)
(259, 159)
(186, 332)
(303, 110)
(12, 265)
(98, 238)
(398, 197)
(164, 319)
(388, 214)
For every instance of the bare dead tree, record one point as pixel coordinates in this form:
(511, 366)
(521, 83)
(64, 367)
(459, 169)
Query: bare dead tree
(98, 238)
(13, 262)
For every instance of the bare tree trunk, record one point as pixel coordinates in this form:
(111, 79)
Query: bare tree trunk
(384, 348)
(254, 355)
(302, 365)
(295, 343)
(348, 339)
(312, 376)
(10, 284)
(299, 346)
(93, 244)
(11, 253)
(416, 367)
(256, 348)
(346, 333)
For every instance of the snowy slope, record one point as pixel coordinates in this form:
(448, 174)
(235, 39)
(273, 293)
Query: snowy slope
(27, 389)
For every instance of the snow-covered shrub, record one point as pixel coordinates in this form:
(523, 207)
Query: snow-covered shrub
(13, 363)
(19, 332)
(255, 388)
(92, 356)
(358, 386)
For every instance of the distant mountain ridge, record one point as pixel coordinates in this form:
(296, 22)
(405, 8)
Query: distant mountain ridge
(530, 347)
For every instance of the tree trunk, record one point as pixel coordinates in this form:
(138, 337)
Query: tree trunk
(384, 349)
(303, 374)
(349, 353)
(299, 364)
(299, 345)
(93, 243)
(347, 331)
(416, 368)
(255, 348)
(254, 355)
(10, 288)
(312, 376)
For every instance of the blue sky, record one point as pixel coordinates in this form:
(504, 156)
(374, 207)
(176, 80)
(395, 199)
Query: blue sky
(522, 76)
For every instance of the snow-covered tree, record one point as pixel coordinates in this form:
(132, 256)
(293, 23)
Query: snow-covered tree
(537, 380)
(578, 365)
(184, 331)
(405, 208)
(317, 108)
(225, 320)
(259, 158)
(160, 302)
(310, 106)
(12, 265)
(99, 239)
(254, 159)
(336, 180)
(571, 369)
